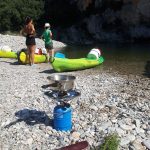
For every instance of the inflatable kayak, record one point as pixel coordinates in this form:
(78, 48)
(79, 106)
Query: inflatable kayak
(65, 64)
(22, 58)
(8, 54)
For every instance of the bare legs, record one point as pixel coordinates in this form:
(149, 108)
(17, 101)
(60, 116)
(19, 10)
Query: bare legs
(50, 53)
(31, 51)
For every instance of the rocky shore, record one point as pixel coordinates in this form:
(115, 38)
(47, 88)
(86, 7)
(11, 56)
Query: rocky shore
(16, 43)
(109, 103)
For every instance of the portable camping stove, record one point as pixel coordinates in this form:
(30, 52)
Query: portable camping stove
(62, 92)
(62, 89)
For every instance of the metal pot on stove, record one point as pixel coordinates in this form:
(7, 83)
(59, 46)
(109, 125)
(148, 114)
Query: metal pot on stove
(61, 82)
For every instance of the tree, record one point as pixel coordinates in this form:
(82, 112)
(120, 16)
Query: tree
(13, 12)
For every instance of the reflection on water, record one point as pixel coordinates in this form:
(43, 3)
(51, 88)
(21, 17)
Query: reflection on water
(124, 58)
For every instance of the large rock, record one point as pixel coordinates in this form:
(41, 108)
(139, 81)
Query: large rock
(144, 9)
(108, 21)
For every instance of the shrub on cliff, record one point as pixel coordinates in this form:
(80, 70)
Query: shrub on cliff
(13, 12)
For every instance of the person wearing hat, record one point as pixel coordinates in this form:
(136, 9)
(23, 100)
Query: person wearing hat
(47, 37)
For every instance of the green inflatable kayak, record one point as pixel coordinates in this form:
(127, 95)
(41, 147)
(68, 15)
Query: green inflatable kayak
(65, 64)
(5, 54)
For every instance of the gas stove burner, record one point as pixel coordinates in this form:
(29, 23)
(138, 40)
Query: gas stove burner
(63, 95)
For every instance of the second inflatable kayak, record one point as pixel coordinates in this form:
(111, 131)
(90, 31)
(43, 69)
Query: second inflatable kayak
(24, 59)
(65, 64)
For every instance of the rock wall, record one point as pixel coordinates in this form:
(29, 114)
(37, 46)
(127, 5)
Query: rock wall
(90, 21)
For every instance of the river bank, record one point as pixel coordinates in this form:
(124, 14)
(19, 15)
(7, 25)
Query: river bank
(16, 43)
(109, 102)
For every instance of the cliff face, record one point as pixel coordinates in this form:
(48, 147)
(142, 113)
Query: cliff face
(89, 21)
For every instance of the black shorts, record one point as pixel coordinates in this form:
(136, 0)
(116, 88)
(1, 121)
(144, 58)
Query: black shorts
(49, 46)
(30, 40)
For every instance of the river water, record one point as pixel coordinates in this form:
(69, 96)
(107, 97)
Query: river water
(121, 58)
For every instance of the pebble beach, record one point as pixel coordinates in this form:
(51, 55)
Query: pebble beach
(109, 103)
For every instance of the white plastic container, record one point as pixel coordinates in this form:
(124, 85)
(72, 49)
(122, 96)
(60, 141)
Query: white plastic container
(44, 51)
(5, 48)
(94, 54)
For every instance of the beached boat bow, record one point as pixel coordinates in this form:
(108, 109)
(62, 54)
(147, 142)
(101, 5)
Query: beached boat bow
(65, 64)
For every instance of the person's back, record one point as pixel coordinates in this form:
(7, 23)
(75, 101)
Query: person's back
(29, 29)
(29, 32)
(47, 36)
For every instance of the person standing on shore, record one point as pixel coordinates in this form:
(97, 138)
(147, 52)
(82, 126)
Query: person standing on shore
(29, 31)
(47, 37)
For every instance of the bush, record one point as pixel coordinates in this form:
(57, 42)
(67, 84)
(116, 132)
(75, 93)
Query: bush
(13, 13)
(111, 142)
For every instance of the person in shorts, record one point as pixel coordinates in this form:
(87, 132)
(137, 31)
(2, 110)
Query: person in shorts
(47, 37)
(29, 31)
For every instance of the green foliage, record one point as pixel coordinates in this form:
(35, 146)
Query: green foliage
(111, 142)
(13, 12)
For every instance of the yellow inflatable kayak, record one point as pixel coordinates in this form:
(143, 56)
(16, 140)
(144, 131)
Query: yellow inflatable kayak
(10, 54)
(22, 58)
